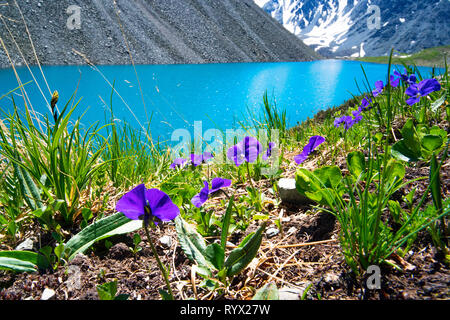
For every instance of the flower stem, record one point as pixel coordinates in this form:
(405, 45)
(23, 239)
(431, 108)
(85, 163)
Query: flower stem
(249, 177)
(160, 265)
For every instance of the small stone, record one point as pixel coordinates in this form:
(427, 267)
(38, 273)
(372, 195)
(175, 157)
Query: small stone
(165, 241)
(289, 193)
(292, 230)
(48, 294)
(28, 244)
(287, 293)
(272, 232)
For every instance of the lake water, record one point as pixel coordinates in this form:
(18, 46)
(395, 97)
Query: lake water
(178, 95)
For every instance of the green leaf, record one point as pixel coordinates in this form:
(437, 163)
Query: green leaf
(435, 181)
(226, 225)
(439, 102)
(215, 254)
(268, 292)
(164, 294)
(240, 257)
(107, 291)
(191, 242)
(329, 176)
(432, 142)
(17, 265)
(411, 137)
(114, 224)
(38, 260)
(356, 163)
(28, 187)
(401, 151)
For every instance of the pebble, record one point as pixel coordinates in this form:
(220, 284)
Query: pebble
(165, 241)
(292, 230)
(272, 232)
(25, 245)
(288, 192)
(48, 294)
(287, 293)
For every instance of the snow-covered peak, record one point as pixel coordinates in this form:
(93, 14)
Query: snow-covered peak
(346, 27)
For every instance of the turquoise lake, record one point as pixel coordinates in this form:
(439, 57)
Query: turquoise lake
(177, 95)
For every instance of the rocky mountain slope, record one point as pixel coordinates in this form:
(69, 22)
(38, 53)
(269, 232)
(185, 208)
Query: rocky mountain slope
(350, 28)
(157, 32)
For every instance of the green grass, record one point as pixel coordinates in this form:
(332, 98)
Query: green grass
(428, 57)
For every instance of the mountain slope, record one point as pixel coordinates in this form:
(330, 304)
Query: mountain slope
(344, 27)
(157, 32)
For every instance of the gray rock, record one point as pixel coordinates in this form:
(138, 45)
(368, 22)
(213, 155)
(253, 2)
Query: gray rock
(48, 294)
(287, 293)
(289, 194)
(28, 244)
(165, 241)
(272, 232)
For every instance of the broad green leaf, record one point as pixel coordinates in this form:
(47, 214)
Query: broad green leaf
(432, 142)
(114, 224)
(27, 256)
(240, 257)
(401, 151)
(215, 254)
(302, 180)
(394, 171)
(329, 176)
(410, 137)
(107, 291)
(12, 264)
(191, 242)
(356, 163)
(268, 292)
(439, 102)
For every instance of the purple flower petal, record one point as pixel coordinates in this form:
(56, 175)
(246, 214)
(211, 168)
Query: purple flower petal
(394, 81)
(207, 156)
(132, 203)
(196, 159)
(179, 162)
(161, 205)
(236, 154)
(428, 86)
(412, 100)
(218, 183)
(268, 152)
(199, 199)
(313, 143)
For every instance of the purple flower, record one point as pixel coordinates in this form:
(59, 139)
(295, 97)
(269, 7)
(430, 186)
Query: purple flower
(357, 117)
(379, 86)
(268, 153)
(403, 76)
(196, 159)
(313, 143)
(366, 104)
(217, 183)
(148, 205)
(421, 89)
(246, 150)
(410, 79)
(347, 121)
(179, 162)
(394, 81)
